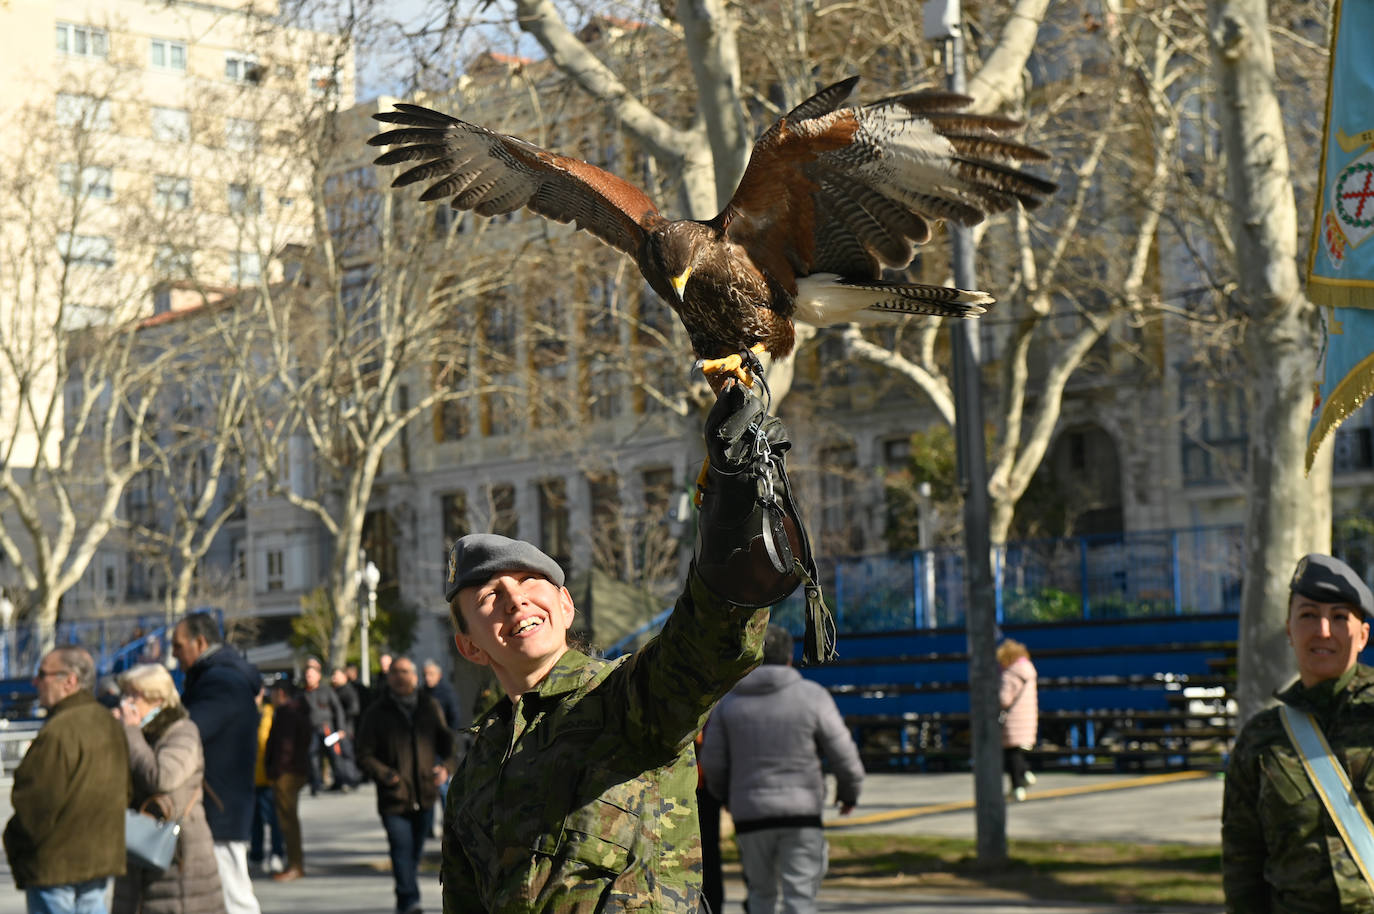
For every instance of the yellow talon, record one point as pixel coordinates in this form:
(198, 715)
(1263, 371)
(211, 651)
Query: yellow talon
(718, 371)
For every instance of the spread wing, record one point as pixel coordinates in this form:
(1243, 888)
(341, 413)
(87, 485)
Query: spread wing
(849, 190)
(490, 173)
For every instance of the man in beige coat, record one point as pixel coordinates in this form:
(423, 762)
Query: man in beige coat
(66, 838)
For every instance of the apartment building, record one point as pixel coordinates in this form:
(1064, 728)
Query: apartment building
(160, 170)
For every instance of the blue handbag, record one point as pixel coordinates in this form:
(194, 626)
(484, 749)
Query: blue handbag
(150, 842)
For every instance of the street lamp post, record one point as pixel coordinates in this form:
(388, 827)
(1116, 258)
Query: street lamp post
(943, 23)
(368, 576)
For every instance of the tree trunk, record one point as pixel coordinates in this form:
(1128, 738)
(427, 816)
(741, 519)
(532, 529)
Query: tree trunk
(44, 614)
(1288, 514)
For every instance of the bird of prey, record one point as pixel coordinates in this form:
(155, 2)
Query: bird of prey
(833, 194)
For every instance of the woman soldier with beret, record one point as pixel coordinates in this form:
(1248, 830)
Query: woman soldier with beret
(1282, 850)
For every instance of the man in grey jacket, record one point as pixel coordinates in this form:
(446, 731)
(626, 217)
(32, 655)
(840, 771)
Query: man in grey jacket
(760, 758)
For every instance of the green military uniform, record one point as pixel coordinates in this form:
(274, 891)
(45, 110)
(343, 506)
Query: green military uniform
(1281, 852)
(580, 797)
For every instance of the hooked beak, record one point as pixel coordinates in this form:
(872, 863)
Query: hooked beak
(680, 282)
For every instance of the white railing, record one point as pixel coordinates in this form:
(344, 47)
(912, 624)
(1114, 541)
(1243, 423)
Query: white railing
(15, 737)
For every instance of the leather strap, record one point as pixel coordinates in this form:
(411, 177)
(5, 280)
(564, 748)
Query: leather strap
(1333, 786)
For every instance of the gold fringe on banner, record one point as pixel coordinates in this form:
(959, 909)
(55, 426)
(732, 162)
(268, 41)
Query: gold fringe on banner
(1344, 399)
(1340, 293)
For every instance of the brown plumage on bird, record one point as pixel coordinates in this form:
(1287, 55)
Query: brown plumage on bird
(832, 195)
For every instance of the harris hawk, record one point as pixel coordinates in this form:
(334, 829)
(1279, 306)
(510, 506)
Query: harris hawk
(833, 193)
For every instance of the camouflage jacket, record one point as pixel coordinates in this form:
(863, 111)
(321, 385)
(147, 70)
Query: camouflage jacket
(1280, 849)
(581, 796)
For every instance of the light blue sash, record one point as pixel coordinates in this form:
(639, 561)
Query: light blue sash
(1333, 786)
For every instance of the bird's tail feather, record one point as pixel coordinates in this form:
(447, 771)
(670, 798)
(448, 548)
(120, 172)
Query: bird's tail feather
(825, 299)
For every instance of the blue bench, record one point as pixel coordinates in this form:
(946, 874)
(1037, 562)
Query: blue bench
(1111, 692)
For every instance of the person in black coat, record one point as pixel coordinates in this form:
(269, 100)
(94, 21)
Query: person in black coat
(407, 749)
(350, 699)
(219, 693)
(331, 732)
(441, 690)
(287, 760)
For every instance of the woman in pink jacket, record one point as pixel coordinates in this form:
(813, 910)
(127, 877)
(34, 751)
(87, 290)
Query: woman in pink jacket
(1020, 714)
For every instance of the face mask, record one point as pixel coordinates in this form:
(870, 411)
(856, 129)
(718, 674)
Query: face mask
(148, 719)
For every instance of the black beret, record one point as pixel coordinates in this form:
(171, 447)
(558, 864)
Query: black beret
(1329, 580)
(477, 556)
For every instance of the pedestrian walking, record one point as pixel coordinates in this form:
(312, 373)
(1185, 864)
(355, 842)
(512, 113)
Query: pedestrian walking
(406, 749)
(218, 693)
(762, 757)
(66, 837)
(349, 700)
(167, 761)
(1020, 714)
(330, 732)
(268, 854)
(288, 767)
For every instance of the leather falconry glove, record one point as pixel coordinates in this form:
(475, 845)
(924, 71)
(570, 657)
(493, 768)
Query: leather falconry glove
(752, 547)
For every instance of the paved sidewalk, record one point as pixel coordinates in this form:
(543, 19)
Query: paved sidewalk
(348, 870)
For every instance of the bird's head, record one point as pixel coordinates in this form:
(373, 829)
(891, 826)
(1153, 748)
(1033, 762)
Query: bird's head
(675, 251)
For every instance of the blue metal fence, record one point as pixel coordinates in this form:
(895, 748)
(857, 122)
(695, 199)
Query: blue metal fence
(1116, 576)
(106, 639)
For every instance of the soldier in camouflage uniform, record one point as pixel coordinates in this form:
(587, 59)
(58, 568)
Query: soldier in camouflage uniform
(1281, 852)
(578, 794)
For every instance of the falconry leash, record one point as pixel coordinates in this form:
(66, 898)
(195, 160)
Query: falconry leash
(818, 645)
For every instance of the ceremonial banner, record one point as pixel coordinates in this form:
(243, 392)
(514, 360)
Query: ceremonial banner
(1340, 266)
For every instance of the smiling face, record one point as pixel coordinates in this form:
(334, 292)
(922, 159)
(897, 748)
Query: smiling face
(1327, 637)
(517, 624)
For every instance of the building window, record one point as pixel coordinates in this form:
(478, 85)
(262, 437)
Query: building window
(244, 198)
(171, 261)
(93, 181)
(247, 268)
(82, 40)
(276, 579)
(896, 454)
(452, 420)
(324, 81)
(841, 531)
(242, 68)
(171, 125)
(504, 519)
(240, 133)
(1214, 438)
(608, 541)
(167, 55)
(453, 512)
(85, 112)
(86, 250)
(553, 521)
(171, 192)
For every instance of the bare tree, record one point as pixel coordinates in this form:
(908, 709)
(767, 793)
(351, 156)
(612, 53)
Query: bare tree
(1289, 513)
(200, 474)
(77, 386)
